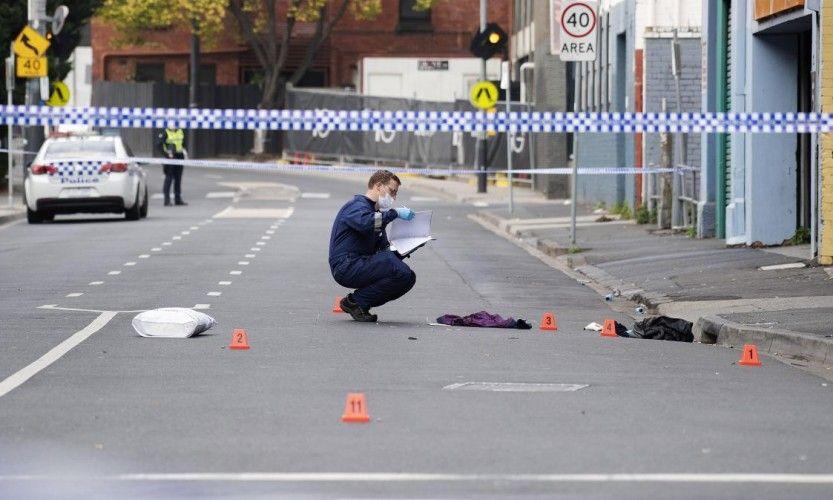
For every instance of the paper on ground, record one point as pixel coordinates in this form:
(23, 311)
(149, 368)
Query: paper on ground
(594, 327)
(406, 236)
(172, 322)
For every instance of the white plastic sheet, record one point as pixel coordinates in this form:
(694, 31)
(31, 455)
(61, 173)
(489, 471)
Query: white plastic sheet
(172, 322)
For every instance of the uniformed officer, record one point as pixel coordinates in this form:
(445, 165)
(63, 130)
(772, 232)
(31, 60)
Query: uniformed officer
(172, 143)
(360, 257)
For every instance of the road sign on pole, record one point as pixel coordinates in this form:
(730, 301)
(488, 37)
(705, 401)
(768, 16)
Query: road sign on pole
(30, 43)
(59, 95)
(59, 17)
(484, 95)
(30, 67)
(579, 22)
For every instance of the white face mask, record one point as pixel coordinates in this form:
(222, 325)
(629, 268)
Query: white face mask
(386, 202)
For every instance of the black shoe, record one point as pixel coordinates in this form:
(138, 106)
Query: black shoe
(355, 310)
(180, 202)
(167, 203)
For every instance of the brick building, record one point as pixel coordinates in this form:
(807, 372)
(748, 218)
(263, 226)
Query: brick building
(444, 31)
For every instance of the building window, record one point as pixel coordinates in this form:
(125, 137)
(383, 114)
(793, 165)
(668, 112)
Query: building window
(411, 19)
(150, 72)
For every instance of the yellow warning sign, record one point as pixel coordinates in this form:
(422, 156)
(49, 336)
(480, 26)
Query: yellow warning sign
(59, 95)
(30, 43)
(483, 95)
(30, 67)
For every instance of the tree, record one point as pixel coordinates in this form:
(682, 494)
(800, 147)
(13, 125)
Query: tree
(259, 24)
(133, 18)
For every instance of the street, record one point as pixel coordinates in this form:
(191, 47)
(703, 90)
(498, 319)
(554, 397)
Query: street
(110, 414)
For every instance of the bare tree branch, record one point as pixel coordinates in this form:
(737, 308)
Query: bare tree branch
(248, 30)
(323, 28)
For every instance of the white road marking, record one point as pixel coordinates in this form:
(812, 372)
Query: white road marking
(235, 273)
(202, 306)
(255, 249)
(157, 196)
(270, 231)
(779, 267)
(166, 243)
(261, 243)
(96, 283)
(220, 194)
(144, 256)
(254, 213)
(214, 294)
(316, 196)
(243, 263)
(266, 237)
(177, 238)
(513, 387)
(76, 294)
(129, 264)
(194, 228)
(114, 273)
(405, 477)
(250, 255)
(18, 378)
(185, 233)
(155, 249)
(224, 283)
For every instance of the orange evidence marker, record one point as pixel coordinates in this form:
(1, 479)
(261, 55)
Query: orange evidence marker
(239, 339)
(548, 322)
(750, 356)
(609, 329)
(355, 410)
(337, 306)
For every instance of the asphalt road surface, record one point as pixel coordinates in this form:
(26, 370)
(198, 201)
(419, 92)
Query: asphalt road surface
(89, 409)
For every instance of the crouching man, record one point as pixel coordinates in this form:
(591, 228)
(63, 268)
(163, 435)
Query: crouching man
(360, 257)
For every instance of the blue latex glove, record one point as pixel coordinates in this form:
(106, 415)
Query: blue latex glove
(405, 213)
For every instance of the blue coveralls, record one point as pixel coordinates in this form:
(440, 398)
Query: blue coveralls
(360, 257)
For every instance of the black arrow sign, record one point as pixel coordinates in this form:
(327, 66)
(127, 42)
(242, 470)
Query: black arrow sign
(480, 92)
(25, 41)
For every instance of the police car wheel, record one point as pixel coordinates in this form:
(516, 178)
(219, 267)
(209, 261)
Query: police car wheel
(33, 217)
(143, 212)
(134, 212)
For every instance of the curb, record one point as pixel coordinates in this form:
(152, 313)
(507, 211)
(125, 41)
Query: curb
(800, 346)
(17, 215)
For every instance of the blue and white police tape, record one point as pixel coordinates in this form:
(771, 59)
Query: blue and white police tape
(416, 121)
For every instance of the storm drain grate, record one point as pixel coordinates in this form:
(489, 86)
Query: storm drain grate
(513, 387)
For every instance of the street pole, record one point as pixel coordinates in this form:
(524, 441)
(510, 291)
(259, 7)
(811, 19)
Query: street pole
(9, 127)
(506, 83)
(193, 89)
(481, 138)
(681, 156)
(34, 135)
(573, 188)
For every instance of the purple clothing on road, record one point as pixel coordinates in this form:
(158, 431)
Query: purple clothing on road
(483, 319)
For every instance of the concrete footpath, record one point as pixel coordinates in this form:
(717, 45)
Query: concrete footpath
(13, 212)
(776, 298)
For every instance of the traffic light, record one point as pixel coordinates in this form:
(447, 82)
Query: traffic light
(489, 42)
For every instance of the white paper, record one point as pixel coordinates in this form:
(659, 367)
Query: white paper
(406, 236)
(172, 322)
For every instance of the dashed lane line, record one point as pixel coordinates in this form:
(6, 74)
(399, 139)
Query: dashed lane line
(114, 273)
(144, 256)
(235, 273)
(214, 294)
(96, 283)
(76, 294)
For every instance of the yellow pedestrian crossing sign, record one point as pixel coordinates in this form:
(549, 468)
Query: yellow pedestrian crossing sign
(30, 43)
(483, 95)
(59, 95)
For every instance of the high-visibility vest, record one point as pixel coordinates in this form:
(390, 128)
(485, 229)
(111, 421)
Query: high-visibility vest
(175, 138)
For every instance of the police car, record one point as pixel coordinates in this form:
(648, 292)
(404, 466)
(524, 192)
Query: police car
(86, 174)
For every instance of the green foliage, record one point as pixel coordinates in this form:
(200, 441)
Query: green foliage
(574, 250)
(691, 232)
(133, 18)
(623, 210)
(643, 215)
(801, 237)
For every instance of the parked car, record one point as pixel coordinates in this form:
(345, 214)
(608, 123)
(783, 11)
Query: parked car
(86, 174)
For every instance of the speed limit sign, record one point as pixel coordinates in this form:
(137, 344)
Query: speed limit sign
(578, 20)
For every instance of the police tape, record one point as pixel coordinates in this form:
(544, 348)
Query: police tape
(416, 121)
(359, 168)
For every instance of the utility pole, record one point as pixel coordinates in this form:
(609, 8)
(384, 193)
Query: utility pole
(10, 127)
(481, 138)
